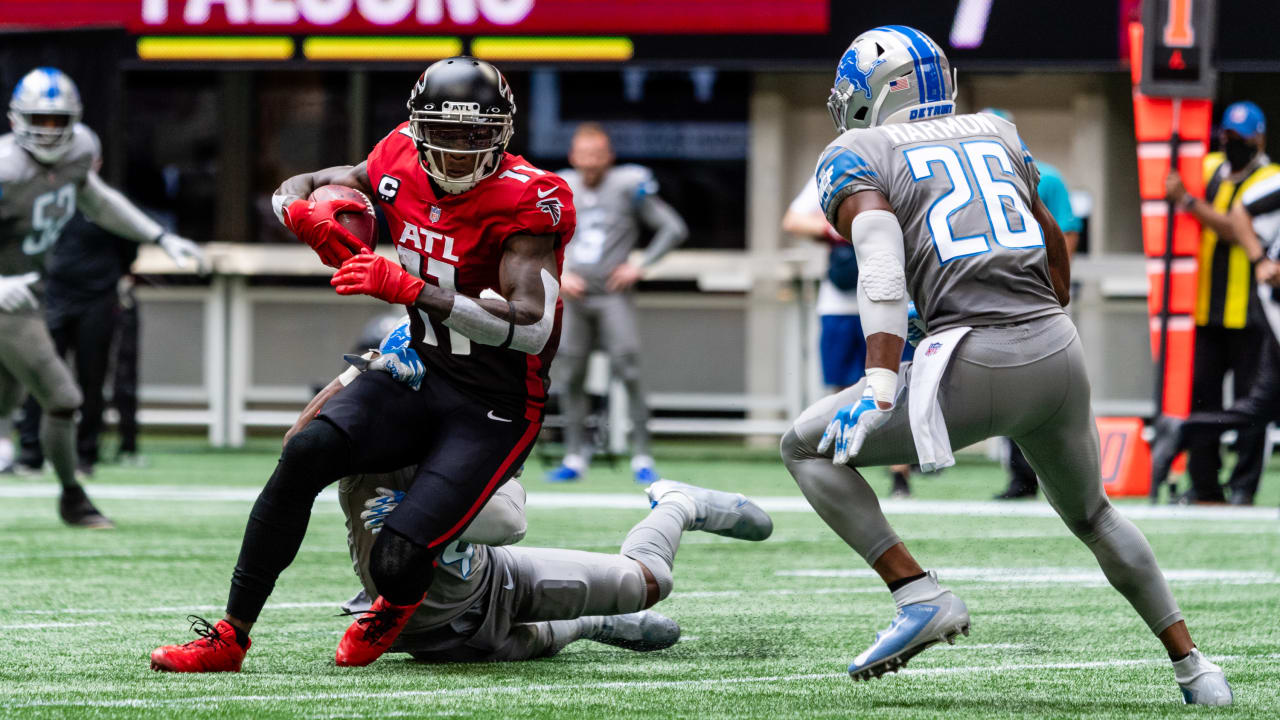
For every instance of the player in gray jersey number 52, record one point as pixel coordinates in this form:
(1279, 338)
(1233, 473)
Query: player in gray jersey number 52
(48, 170)
(943, 208)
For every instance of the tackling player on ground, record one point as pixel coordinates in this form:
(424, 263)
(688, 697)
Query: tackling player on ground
(491, 603)
(945, 210)
(49, 167)
(480, 235)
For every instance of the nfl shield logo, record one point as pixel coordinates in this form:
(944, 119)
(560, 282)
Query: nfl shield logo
(933, 349)
(435, 214)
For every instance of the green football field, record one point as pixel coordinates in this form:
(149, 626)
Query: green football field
(768, 628)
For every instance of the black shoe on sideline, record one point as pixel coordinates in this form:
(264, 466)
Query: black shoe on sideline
(1017, 492)
(77, 511)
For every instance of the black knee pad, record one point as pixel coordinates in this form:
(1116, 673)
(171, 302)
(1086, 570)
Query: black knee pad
(317, 446)
(401, 569)
(313, 459)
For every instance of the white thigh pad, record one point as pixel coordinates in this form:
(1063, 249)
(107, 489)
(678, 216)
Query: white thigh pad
(882, 281)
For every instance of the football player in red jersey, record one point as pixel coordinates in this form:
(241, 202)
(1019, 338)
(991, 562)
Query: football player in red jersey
(480, 235)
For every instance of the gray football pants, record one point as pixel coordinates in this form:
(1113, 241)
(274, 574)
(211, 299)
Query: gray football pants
(529, 602)
(29, 360)
(1024, 381)
(609, 321)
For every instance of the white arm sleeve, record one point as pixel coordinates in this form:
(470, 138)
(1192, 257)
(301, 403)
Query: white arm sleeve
(501, 521)
(882, 280)
(112, 211)
(468, 318)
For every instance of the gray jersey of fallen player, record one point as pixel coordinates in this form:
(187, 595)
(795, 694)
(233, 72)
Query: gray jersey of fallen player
(488, 602)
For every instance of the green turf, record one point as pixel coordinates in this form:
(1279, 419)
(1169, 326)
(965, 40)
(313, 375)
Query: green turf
(84, 609)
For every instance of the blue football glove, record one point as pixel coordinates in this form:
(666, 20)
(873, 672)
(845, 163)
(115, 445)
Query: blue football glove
(916, 330)
(398, 359)
(850, 427)
(379, 508)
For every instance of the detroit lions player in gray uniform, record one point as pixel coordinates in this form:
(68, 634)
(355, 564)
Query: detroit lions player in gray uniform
(48, 168)
(944, 207)
(599, 308)
(493, 603)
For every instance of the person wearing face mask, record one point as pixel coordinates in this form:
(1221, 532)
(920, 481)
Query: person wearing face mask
(1229, 323)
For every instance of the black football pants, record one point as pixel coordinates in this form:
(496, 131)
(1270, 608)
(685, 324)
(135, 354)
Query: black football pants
(1249, 414)
(463, 449)
(1218, 350)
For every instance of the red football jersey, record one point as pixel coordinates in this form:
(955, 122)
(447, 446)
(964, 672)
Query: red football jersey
(456, 241)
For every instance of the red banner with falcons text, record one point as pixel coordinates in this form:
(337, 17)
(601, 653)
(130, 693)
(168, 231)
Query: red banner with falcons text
(565, 17)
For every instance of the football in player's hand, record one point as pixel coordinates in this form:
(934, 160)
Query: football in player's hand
(360, 223)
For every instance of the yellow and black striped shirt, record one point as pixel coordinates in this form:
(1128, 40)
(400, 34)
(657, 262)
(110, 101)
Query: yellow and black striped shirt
(1225, 293)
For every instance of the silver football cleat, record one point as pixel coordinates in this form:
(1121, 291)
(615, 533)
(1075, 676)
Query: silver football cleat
(722, 513)
(1202, 682)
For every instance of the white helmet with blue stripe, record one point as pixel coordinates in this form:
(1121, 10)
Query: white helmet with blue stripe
(43, 111)
(891, 74)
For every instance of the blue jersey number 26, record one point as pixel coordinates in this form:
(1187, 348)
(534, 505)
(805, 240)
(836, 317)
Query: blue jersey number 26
(998, 195)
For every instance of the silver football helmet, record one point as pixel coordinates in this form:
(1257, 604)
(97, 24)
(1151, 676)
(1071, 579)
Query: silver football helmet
(891, 74)
(43, 111)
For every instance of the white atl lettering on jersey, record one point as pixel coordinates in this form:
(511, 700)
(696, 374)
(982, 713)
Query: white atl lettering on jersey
(945, 128)
(416, 237)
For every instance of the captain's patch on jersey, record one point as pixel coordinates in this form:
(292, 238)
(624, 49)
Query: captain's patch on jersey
(388, 187)
(552, 207)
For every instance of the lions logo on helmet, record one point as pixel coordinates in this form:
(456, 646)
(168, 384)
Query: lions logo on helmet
(900, 58)
(43, 111)
(850, 69)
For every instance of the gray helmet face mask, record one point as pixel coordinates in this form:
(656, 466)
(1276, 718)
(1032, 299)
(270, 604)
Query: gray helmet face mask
(891, 74)
(43, 93)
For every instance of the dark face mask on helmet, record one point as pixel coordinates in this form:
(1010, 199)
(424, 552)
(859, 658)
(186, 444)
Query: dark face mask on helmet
(1239, 152)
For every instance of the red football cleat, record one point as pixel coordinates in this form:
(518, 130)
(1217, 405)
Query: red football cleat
(371, 635)
(216, 650)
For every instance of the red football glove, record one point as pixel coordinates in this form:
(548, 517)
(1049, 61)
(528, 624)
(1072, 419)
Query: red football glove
(370, 274)
(314, 224)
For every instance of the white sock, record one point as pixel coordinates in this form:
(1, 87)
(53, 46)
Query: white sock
(576, 463)
(640, 462)
(1192, 666)
(922, 590)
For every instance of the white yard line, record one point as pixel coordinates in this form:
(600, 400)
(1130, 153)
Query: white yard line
(42, 626)
(1082, 577)
(184, 609)
(755, 593)
(1041, 575)
(209, 700)
(637, 501)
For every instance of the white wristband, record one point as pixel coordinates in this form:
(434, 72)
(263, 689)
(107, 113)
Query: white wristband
(883, 384)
